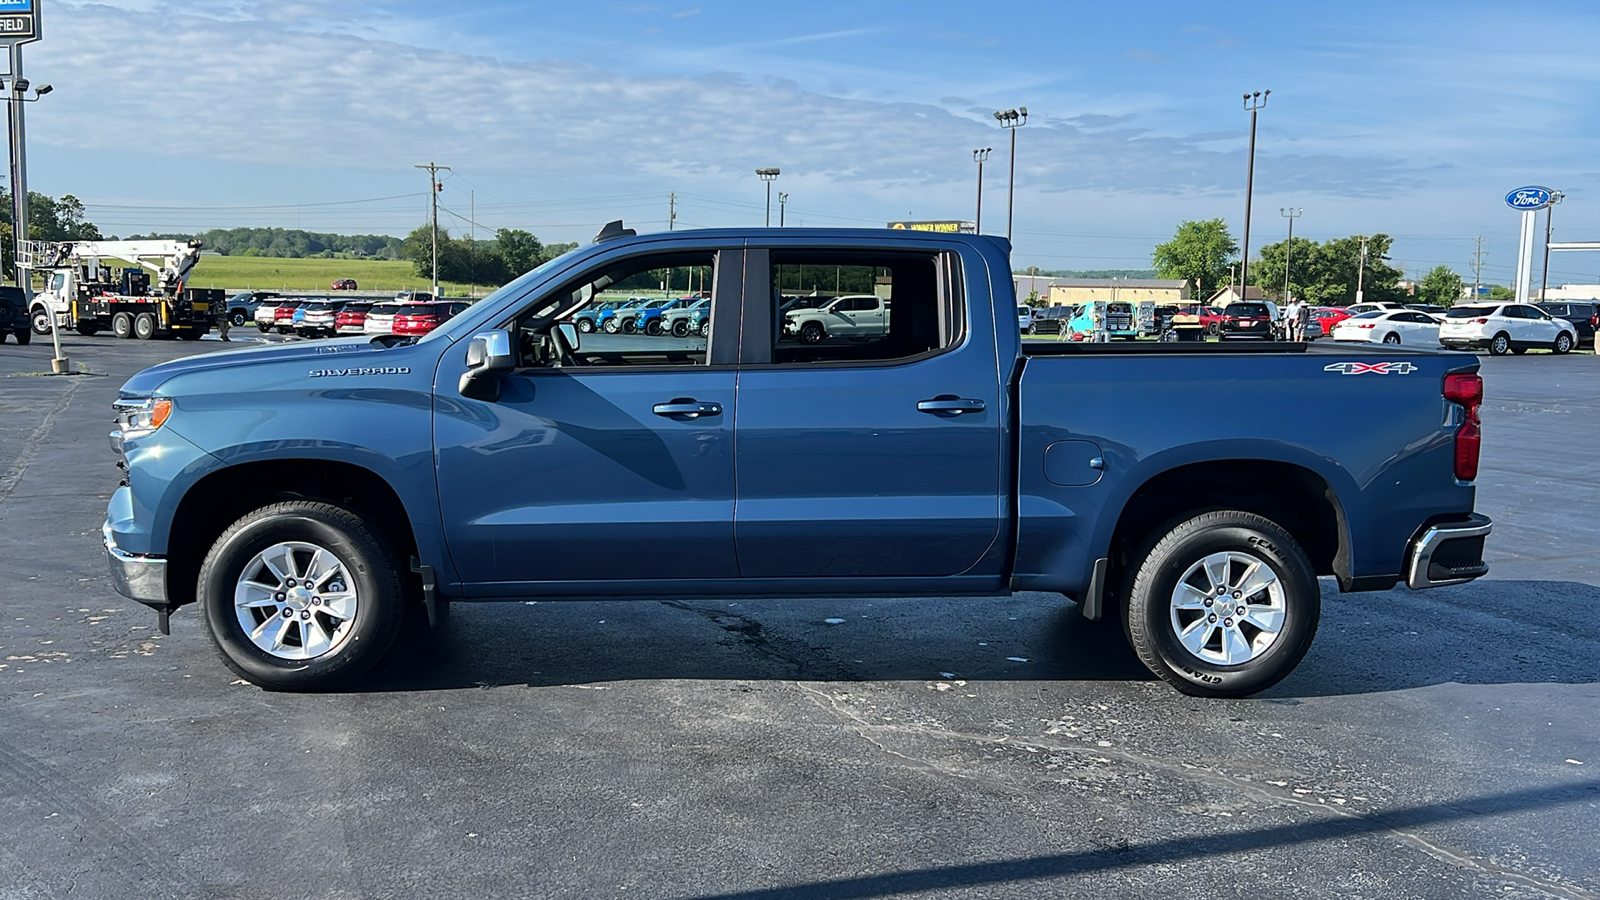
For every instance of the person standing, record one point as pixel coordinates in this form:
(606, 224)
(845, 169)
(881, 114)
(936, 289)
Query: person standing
(1303, 320)
(224, 323)
(1291, 319)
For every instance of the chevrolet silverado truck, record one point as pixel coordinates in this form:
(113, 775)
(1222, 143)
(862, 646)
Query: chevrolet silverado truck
(308, 498)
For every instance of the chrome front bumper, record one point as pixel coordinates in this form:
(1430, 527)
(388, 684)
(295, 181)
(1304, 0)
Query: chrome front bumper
(1448, 553)
(141, 578)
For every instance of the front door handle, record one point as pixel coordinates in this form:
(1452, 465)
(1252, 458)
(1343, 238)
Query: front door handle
(947, 405)
(686, 408)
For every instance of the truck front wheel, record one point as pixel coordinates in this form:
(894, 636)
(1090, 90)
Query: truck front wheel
(812, 333)
(40, 320)
(301, 596)
(1224, 605)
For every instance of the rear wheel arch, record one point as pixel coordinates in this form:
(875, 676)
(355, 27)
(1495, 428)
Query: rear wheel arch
(1297, 498)
(221, 498)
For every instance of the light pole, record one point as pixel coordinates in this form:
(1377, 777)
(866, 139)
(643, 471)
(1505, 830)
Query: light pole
(768, 175)
(434, 187)
(1549, 211)
(17, 131)
(1011, 120)
(783, 201)
(978, 156)
(1252, 103)
(1291, 214)
(1361, 269)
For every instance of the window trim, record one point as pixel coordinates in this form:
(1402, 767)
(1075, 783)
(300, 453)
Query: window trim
(756, 343)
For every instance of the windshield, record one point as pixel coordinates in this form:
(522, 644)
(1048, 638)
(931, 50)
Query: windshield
(1245, 309)
(1467, 312)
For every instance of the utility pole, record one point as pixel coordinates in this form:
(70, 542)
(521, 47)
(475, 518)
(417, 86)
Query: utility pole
(1361, 268)
(1291, 214)
(434, 187)
(472, 241)
(1252, 104)
(783, 201)
(672, 219)
(1477, 268)
(1549, 212)
(1011, 120)
(979, 156)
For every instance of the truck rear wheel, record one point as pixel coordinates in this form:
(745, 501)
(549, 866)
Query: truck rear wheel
(1223, 605)
(122, 325)
(301, 596)
(144, 326)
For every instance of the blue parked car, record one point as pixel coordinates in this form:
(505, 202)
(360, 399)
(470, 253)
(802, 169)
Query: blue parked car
(649, 319)
(591, 319)
(621, 319)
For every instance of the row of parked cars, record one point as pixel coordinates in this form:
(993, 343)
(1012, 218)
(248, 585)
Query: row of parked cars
(411, 313)
(679, 317)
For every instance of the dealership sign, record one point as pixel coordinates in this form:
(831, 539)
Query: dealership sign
(1529, 198)
(941, 227)
(19, 21)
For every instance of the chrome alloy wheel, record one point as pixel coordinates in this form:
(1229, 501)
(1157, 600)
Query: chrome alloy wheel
(1228, 608)
(295, 600)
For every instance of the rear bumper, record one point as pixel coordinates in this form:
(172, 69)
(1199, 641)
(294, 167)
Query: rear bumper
(141, 578)
(1448, 553)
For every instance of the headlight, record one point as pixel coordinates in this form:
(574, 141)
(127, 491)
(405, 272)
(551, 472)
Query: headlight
(137, 417)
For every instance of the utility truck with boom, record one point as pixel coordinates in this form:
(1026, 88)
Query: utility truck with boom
(82, 293)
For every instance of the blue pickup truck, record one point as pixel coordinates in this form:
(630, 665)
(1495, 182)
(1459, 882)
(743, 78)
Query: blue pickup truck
(310, 497)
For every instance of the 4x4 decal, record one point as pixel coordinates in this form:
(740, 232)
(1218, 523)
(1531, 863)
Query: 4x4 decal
(1383, 368)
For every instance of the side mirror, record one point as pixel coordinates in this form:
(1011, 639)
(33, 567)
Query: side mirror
(488, 354)
(567, 333)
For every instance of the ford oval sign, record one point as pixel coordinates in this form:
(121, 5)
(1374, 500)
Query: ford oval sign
(1529, 198)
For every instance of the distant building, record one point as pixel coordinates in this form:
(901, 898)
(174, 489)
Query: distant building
(1076, 291)
(1230, 294)
(1573, 292)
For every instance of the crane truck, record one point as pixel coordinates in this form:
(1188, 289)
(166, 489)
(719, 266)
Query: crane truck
(82, 292)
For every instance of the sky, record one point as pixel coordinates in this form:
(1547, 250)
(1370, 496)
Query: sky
(1411, 118)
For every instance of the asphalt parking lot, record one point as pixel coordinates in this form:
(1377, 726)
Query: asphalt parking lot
(1433, 744)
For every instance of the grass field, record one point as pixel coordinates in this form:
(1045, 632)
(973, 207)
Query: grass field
(271, 273)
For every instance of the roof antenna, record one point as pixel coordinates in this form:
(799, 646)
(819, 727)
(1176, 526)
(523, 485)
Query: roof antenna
(612, 231)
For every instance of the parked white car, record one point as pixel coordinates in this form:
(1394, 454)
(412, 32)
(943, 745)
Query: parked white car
(267, 312)
(380, 319)
(1389, 326)
(853, 315)
(1503, 328)
(1025, 318)
(1377, 306)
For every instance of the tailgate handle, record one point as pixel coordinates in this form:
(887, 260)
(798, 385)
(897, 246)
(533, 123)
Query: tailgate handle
(686, 408)
(946, 405)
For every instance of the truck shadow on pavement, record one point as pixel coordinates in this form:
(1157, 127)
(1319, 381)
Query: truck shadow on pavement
(1490, 632)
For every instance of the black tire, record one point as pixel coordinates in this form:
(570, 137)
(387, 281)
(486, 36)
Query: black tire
(88, 328)
(39, 320)
(812, 333)
(1500, 344)
(365, 556)
(586, 325)
(1033, 328)
(237, 318)
(1152, 621)
(704, 329)
(24, 336)
(144, 326)
(122, 325)
(263, 328)
(1563, 344)
(1392, 337)
(680, 328)
(191, 334)
(1518, 351)
(612, 326)
(630, 326)
(653, 327)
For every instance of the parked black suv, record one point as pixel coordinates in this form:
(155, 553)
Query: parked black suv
(1583, 314)
(14, 315)
(1248, 320)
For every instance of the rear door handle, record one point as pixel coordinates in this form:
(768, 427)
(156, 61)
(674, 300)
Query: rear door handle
(950, 406)
(686, 408)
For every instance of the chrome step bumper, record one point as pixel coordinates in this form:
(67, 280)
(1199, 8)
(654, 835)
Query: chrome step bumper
(1448, 553)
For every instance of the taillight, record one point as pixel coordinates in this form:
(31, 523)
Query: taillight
(1480, 321)
(1366, 325)
(1467, 390)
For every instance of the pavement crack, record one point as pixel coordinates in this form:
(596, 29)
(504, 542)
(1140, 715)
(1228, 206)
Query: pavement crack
(35, 440)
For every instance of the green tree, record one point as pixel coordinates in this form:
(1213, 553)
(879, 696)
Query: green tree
(1441, 286)
(1199, 253)
(1499, 293)
(519, 250)
(1306, 272)
(1378, 279)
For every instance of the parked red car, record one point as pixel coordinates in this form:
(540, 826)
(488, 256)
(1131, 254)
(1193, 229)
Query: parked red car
(352, 319)
(417, 319)
(1210, 316)
(1329, 316)
(345, 284)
